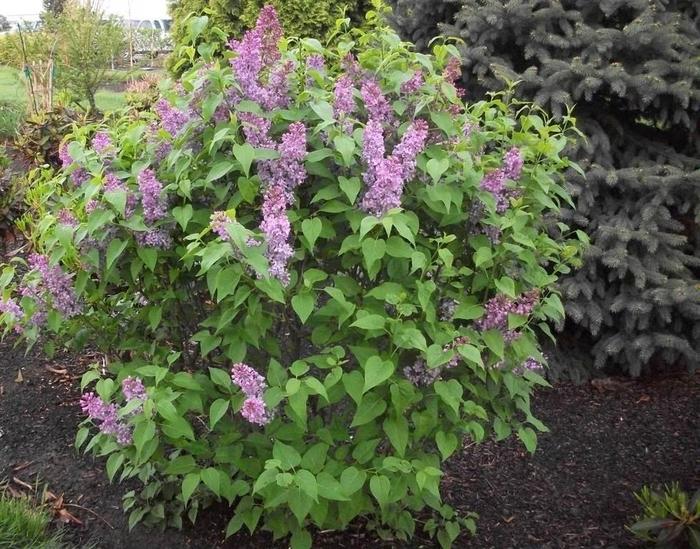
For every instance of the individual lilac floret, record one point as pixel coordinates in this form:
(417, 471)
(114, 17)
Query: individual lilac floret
(377, 106)
(498, 308)
(250, 381)
(57, 284)
(254, 411)
(101, 143)
(154, 207)
(219, 222)
(155, 238)
(413, 84)
(172, 120)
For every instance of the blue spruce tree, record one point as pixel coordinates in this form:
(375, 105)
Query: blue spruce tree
(631, 70)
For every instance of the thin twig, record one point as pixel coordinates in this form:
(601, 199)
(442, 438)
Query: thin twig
(89, 511)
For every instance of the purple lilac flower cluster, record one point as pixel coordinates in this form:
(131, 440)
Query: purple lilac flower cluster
(257, 56)
(280, 177)
(386, 176)
(316, 62)
(252, 384)
(113, 184)
(418, 373)
(377, 105)
(452, 73)
(91, 205)
(495, 182)
(133, 389)
(530, 364)
(101, 143)
(218, 223)
(344, 102)
(154, 206)
(79, 175)
(155, 238)
(106, 415)
(446, 309)
(498, 308)
(54, 282)
(66, 217)
(413, 84)
(351, 67)
(172, 120)
(10, 307)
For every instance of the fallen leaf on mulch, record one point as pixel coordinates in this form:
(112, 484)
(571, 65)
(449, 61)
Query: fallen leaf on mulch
(59, 510)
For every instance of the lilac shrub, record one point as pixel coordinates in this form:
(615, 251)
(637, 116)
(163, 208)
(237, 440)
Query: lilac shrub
(316, 272)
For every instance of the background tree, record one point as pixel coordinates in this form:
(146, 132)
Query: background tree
(86, 44)
(54, 7)
(4, 23)
(632, 70)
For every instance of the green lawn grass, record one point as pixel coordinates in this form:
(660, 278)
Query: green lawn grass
(12, 90)
(11, 86)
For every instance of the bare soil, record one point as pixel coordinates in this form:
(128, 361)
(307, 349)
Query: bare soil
(576, 491)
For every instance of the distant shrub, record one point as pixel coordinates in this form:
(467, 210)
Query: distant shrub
(39, 136)
(142, 93)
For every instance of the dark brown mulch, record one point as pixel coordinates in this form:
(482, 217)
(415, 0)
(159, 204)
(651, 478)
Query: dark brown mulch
(576, 491)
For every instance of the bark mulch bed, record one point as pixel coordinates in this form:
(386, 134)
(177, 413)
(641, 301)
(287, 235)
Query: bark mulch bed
(576, 491)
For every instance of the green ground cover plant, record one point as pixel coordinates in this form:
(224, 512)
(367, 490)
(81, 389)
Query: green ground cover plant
(315, 272)
(23, 525)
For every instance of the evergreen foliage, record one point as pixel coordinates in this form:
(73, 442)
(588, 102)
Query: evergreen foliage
(631, 68)
(314, 18)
